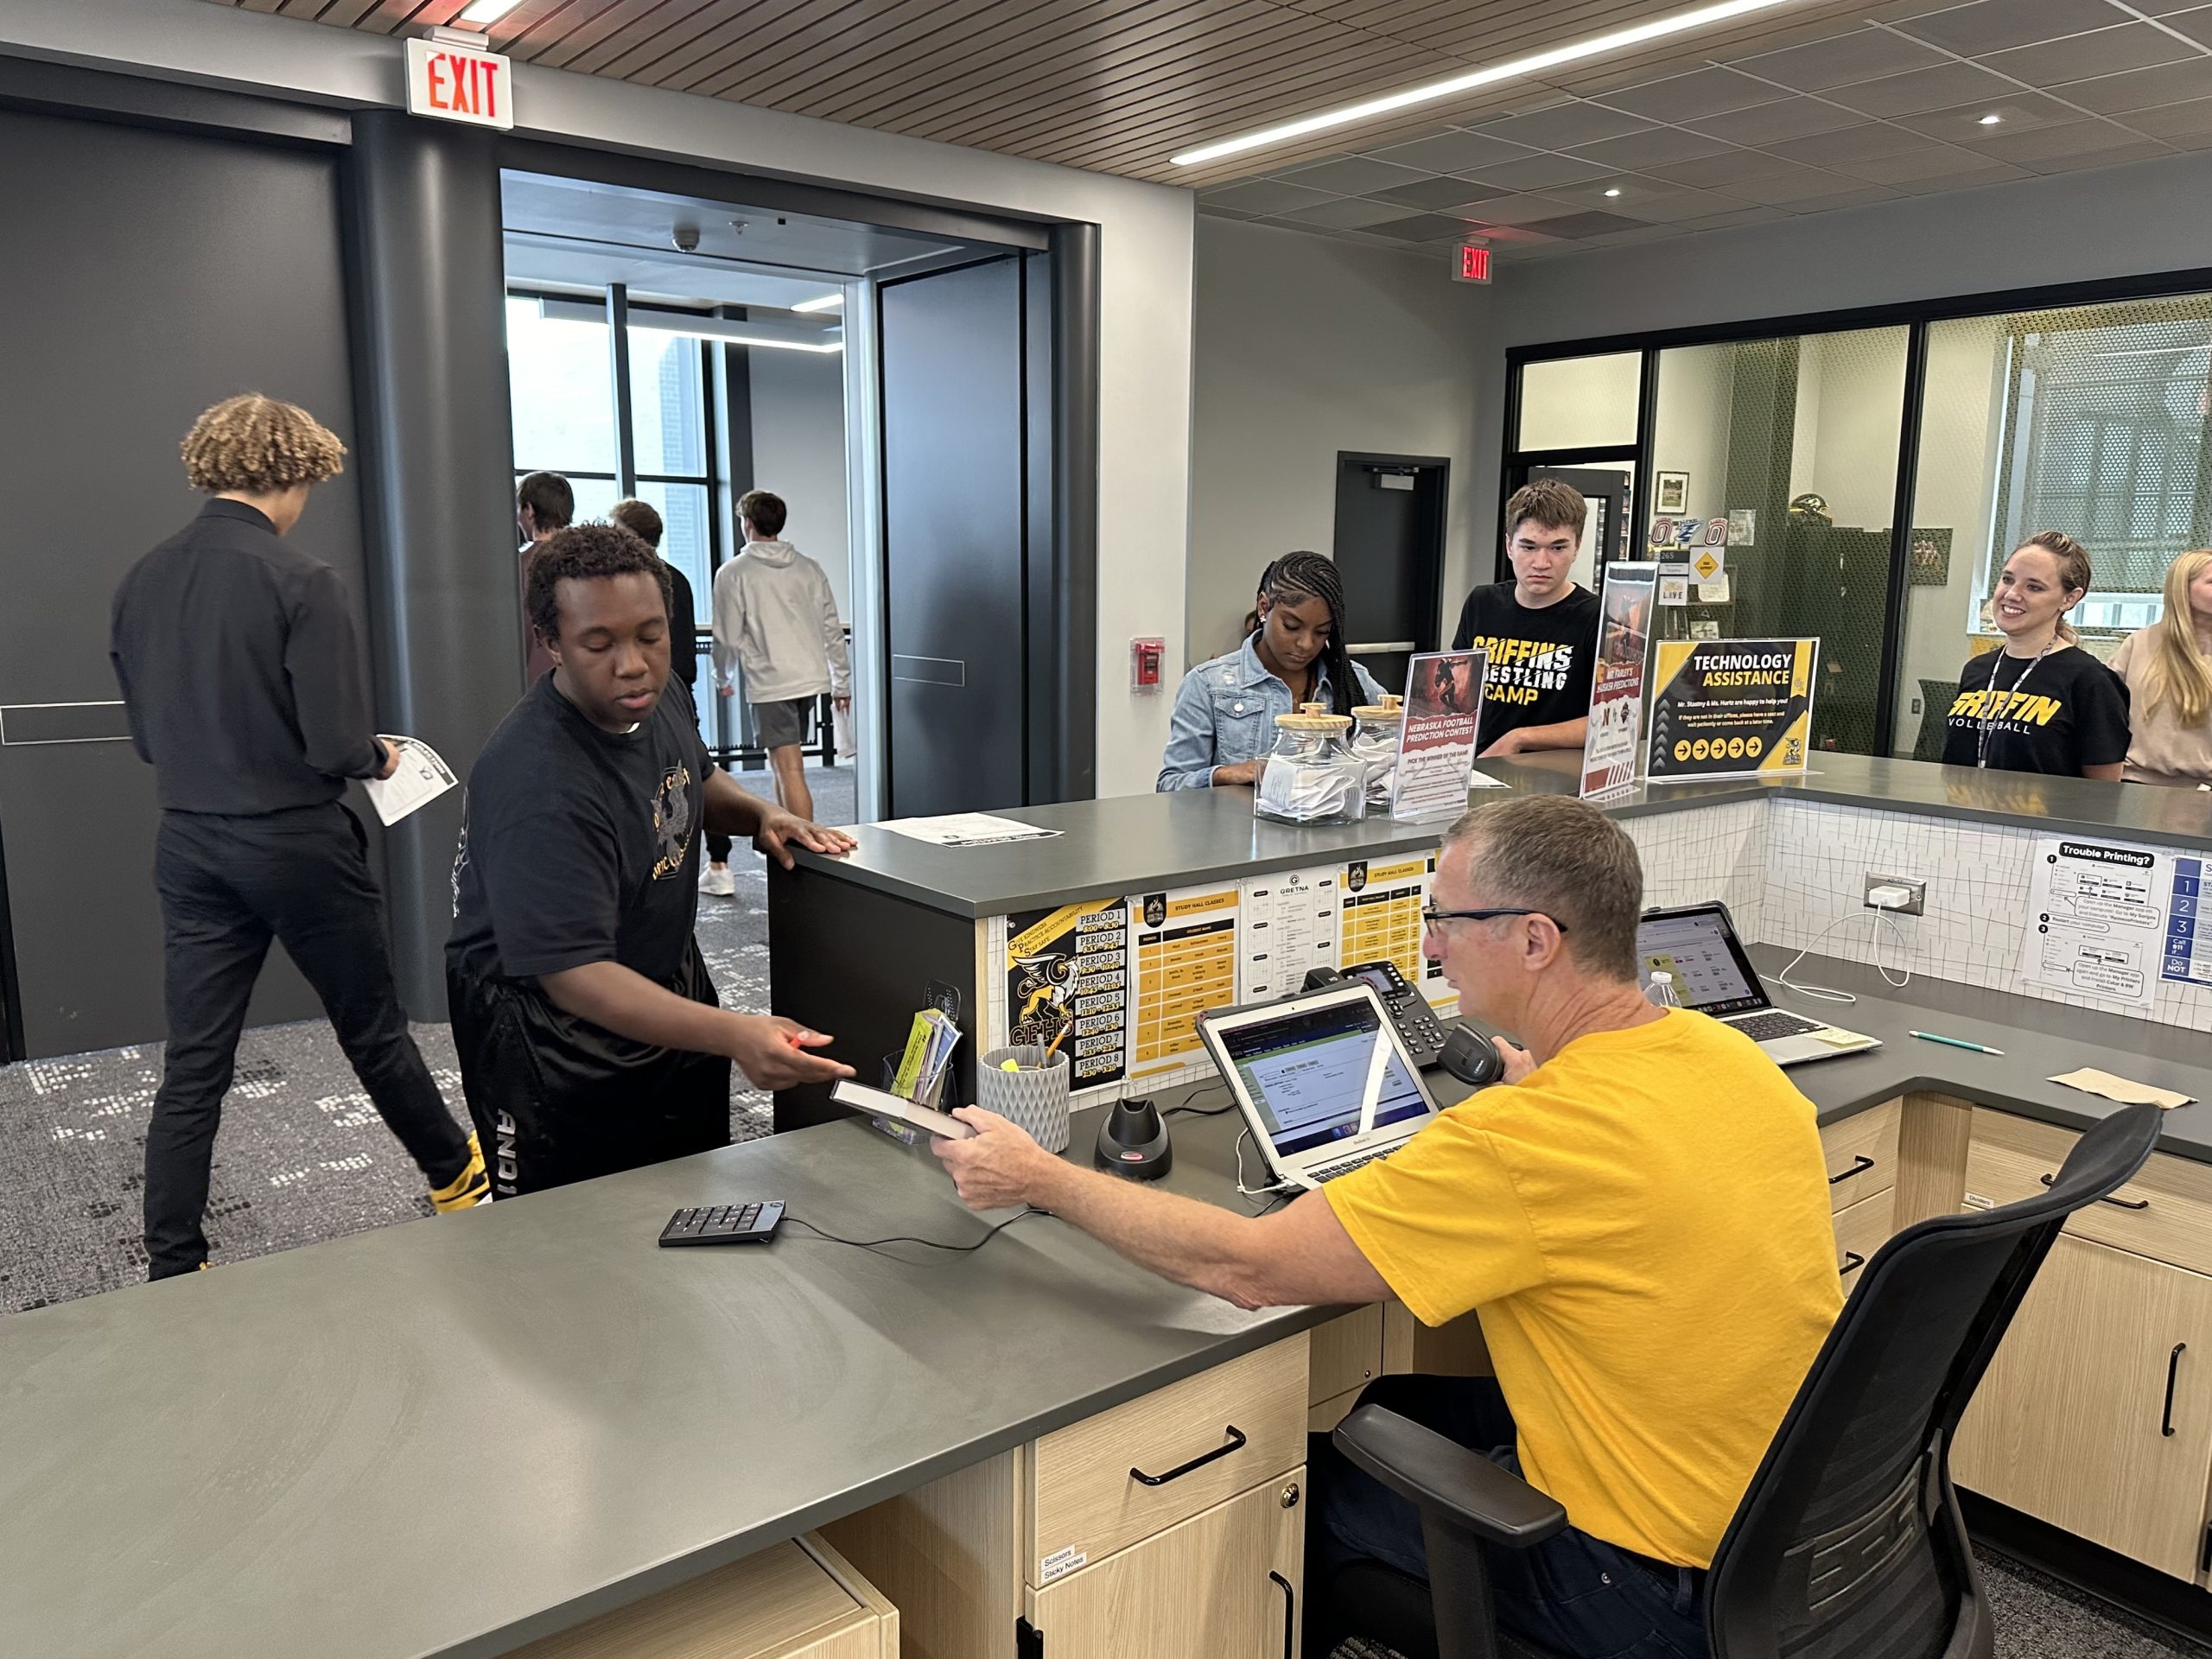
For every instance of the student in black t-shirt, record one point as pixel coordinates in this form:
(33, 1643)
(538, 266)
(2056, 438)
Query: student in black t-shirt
(590, 1037)
(2042, 703)
(1541, 629)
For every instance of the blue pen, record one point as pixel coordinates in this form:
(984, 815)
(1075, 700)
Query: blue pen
(1956, 1042)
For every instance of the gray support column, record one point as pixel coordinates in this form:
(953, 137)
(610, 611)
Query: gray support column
(1073, 629)
(428, 282)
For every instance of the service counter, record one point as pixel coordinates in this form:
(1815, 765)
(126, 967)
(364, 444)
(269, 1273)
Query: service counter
(466, 1435)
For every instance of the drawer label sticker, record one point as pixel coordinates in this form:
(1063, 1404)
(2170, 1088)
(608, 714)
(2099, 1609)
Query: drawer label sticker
(1060, 1564)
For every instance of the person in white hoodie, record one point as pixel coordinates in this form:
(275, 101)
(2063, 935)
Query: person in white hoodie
(776, 619)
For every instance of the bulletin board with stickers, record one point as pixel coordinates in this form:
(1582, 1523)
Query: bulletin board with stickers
(1130, 973)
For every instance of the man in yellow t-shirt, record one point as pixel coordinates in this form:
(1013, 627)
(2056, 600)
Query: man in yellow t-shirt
(1639, 1216)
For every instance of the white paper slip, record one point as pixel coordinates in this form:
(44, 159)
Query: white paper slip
(967, 830)
(420, 776)
(1484, 781)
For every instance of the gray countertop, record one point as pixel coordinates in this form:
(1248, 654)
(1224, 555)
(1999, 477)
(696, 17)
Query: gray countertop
(1189, 836)
(1127, 843)
(455, 1435)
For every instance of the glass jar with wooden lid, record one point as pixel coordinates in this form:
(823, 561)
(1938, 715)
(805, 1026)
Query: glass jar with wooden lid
(1312, 777)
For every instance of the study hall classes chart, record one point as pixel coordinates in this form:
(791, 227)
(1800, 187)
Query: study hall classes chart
(1131, 972)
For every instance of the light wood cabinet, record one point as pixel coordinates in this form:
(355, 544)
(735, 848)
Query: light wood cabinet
(1347, 1353)
(1859, 1231)
(2096, 1414)
(1127, 1473)
(1861, 1153)
(2166, 1212)
(800, 1600)
(1226, 1584)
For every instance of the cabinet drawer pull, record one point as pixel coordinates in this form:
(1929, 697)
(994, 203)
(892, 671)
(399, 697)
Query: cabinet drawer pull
(1234, 1443)
(1289, 1615)
(2117, 1204)
(1859, 1166)
(2173, 1369)
(1852, 1262)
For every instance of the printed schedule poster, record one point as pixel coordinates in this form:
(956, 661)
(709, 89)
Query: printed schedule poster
(1731, 708)
(2189, 941)
(2096, 920)
(1289, 926)
(1185, 948)
(1072, 963)
(1381, 920)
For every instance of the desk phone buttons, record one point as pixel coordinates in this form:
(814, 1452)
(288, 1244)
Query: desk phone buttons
(723, 1223)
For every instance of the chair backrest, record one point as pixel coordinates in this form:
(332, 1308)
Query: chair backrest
(1848, 1543)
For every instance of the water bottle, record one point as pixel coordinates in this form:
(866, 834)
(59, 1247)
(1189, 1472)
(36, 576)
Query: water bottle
(1660, 992)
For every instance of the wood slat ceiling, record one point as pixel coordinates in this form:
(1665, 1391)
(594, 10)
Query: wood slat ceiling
(1116, 86)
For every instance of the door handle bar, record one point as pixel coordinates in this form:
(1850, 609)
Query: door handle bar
(2117, 1204)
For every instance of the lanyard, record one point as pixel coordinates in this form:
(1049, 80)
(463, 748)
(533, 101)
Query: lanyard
(1989, 708)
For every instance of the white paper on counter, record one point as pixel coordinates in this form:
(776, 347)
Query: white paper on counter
(420, 776)
(967, 830)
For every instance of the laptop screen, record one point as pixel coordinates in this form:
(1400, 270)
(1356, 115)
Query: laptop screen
(1306, 1071)
(1700, 948)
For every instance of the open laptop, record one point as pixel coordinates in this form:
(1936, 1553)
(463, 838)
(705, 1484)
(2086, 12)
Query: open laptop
(1322, 1079)
(1698, 944)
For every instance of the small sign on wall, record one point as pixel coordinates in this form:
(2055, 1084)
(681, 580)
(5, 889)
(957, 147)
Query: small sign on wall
(453, 83)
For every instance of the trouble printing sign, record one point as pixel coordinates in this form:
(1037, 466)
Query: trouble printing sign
(1731, 708)
(2096, 920)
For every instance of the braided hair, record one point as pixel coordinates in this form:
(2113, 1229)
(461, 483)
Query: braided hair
(1297, 576)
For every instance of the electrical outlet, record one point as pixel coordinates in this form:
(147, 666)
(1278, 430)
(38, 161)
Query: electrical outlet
(1916, 906)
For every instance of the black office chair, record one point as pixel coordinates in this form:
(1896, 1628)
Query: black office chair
(1848, 1543)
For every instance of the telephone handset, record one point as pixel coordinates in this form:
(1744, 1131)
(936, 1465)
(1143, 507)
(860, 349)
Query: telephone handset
(1407, 1008)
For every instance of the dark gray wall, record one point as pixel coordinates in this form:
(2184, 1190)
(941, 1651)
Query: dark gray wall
(146, 275)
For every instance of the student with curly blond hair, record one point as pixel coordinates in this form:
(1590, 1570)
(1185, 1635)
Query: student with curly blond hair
(241, 674)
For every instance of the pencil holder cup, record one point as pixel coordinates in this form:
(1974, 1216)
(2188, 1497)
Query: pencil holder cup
(1034, 1095)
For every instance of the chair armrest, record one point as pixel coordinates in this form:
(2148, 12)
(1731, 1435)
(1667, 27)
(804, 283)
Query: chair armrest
(1443, 1477)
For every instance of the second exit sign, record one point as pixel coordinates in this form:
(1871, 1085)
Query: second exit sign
(1471, 264)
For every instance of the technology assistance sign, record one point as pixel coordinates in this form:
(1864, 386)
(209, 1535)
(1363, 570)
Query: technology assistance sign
(1731, 708)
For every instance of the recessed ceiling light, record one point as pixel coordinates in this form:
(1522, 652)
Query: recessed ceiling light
(1615, 191)
(821, 302)
(1989, 120)
(486, 12)
(1576, 52)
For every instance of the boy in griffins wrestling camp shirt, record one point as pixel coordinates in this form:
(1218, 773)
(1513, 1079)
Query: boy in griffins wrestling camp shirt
(1540, 630)
(590, 1037)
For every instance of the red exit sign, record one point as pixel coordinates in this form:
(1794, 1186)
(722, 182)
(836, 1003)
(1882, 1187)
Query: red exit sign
(1471, 264)
(452, 83)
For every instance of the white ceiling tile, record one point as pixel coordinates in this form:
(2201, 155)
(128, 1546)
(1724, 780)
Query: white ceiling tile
(1767, 123)
(1705, 92)
(1264, 196)
(1969, 122)
(2075, 138)
(1851, 144)
(1351, 175)
(2115, 155)
(1454, 152)
(1924, 89)
(1842, 59)
(1993, 25)
(2106, 51)
(1346, 213)
(2145, 89)
(1524, 210)
(1564, 127)
(1541, 171)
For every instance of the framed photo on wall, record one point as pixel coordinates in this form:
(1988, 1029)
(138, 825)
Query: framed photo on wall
(1930, 563)
(1674, 492)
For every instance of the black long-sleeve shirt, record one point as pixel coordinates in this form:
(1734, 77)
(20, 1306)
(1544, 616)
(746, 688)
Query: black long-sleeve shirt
(237, 658)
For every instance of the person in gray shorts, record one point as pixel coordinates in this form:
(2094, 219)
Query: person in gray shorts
(776, 620)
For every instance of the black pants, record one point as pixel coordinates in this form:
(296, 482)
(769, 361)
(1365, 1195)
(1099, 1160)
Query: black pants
(1572, 1594)
(557, 1099)
(717, 849)
(227, 887)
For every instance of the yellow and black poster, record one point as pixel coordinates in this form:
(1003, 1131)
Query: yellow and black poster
(1071, 964)
(1731, 708)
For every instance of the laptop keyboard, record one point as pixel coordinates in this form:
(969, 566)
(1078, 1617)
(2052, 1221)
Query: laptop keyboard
(1766, 1028)
(1332, 1171)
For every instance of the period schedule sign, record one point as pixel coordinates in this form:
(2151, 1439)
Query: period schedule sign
(452, 83)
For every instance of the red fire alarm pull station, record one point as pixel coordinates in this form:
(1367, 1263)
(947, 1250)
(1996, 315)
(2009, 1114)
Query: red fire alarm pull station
(1471, 264)
(1146, 659)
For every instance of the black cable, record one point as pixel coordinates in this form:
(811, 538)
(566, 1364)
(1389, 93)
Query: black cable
(1188, 1110)
(875, 1244)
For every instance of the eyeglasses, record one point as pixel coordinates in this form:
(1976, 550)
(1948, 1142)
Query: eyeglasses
(1431, 916)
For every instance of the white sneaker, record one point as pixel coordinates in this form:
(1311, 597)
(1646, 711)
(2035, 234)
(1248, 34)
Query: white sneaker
(715, 880)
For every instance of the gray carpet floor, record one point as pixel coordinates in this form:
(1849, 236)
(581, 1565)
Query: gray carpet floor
(303, 1157)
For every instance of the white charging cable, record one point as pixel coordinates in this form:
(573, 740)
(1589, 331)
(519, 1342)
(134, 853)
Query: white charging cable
(1273, 1190)
(1882, 918)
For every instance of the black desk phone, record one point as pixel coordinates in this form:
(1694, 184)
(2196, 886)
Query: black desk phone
(1407, 1008)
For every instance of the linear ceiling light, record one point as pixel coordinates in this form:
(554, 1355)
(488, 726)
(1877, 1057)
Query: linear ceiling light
(1596, 47)
(486, 12)
(821, 302)
(776, 336)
